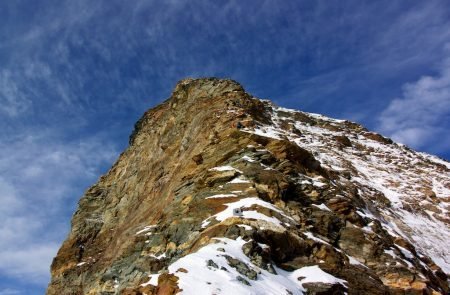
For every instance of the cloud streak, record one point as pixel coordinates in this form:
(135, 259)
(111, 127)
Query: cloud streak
(75, 76)
(12, 100)
(39, 184)
(422, 115)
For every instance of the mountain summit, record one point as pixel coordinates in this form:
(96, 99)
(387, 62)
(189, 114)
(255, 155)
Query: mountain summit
(222, 193)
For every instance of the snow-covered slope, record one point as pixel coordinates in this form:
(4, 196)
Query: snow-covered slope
(216, 276)
(417, 185)
(414, 188)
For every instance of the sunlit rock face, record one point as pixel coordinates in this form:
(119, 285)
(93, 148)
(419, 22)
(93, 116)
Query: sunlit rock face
(222, 193)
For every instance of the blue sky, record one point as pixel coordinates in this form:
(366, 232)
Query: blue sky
(76, 75)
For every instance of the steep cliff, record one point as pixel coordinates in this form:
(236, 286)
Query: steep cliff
(222, 193)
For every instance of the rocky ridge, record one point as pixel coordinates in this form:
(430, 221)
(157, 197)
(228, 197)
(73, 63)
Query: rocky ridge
(220, 192)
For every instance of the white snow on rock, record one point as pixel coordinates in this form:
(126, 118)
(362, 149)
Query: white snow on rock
(203, 279)
(267, 131)
(224, 168)
(319, 184)
(354, 261)
(163, 255)
(430, 236)
(243, 205)
(435, 159)
(221, 196)
(248, 159)
(404, 177)
(311, 236)
(244, 226)
(313, 274)
(239, 180)
(322, 207)
(146, 229)
(153, 280)
(406, 252)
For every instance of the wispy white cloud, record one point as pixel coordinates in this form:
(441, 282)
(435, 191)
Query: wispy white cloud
(75, 67)
(21, 253)
(30, 82)
(413, 37)
(40, 179)
(9, 291)
(30, 261)
(422, 115)
(12, 99)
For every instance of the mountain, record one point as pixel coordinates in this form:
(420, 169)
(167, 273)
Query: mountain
(222, 193)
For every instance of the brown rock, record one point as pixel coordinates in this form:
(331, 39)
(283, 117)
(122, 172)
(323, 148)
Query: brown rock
(165, 180)
(198, 159)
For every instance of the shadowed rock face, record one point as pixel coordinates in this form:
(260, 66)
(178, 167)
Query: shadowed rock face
(293, 190)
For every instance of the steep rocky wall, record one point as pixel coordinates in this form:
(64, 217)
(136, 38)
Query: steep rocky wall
(140, 187)
(210, 144)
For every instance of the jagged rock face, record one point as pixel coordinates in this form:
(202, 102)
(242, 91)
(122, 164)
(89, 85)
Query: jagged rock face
(221, 193)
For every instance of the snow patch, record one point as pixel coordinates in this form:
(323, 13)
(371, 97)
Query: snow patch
(146, 229)
(322, 207)
(239, 180)
(159, 257)
(241, 205)
(354, 261)
(153, 280)
(224, 168)
(248, 159)
(313, 274)
(245, 226)
(200, 279)
(221, 196)
(311, 236)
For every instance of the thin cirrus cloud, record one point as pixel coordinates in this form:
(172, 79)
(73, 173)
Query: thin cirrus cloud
(75, 76)
(9, 291)
(421, 117)
(40, 178)
(12, 99)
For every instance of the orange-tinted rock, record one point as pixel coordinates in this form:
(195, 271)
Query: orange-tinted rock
(157, 203)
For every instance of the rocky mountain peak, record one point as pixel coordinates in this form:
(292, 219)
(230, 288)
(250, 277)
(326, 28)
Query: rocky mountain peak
(222, 193)
(194, 88)
(206, 95)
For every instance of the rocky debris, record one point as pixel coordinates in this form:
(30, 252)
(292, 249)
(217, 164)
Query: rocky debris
(377, 137)
(198, 159)
(258, 256)
(219, 177)
(343, 140)
(324, 288)
(242, 268)
(167, 284)
(329, 193)
(211, 263)
(243, 281)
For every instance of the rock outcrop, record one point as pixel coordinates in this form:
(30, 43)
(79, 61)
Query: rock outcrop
(222, 193)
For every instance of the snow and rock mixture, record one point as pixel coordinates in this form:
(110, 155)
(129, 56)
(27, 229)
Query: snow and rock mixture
(414, 187)
(222, 193)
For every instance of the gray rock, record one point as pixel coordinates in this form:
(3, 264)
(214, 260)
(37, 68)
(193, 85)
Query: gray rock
(241, 267)
(211, 263)
(243, 281)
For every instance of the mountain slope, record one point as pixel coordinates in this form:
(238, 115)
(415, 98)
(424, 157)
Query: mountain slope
(220, 193)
